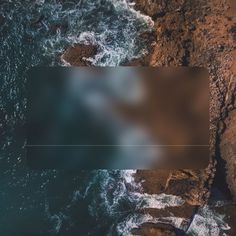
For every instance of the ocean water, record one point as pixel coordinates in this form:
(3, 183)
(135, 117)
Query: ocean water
(52, 202)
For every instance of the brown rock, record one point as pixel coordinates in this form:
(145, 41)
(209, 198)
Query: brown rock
(150, 229)
(228, 150)
(197, 33)
(193, 33)
(183, 211)
(76, 55)
(190, 33)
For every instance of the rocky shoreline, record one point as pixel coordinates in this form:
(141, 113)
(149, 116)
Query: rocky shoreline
(199, 33)
(191, 33)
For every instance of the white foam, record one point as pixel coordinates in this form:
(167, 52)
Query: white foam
(56, 219)
(143, 201)
(136, 220)
(110, 54)
(159, 201)
(126, 4)
(208, 222)
(133, 221)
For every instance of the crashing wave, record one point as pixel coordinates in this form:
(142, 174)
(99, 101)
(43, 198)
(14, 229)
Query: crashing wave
(135, 221)
(208, 222)
(115, 31)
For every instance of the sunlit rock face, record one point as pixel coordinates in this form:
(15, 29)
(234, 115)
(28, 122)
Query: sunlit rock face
(185, 37)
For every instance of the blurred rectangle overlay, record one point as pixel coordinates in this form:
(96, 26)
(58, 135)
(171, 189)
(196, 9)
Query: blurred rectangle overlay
(117, 118)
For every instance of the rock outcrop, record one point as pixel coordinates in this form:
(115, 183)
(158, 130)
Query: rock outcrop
(159, 229)
(78, 54)
(191, 33)
(197, 33)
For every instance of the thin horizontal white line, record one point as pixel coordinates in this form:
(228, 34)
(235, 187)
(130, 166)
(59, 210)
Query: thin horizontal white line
(91, 145)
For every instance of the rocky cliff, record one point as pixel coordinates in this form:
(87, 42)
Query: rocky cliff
(194, 33)
(201, 33)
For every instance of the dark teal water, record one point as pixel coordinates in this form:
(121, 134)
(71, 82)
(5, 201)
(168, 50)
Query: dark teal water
(54, 202)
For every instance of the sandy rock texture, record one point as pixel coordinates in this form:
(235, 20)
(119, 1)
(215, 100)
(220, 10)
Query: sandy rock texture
(198, 33)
